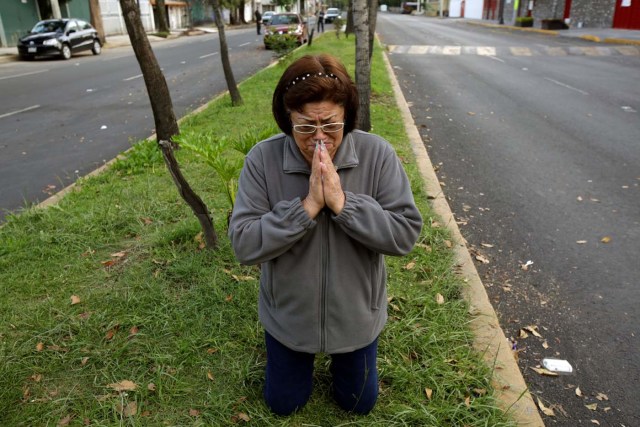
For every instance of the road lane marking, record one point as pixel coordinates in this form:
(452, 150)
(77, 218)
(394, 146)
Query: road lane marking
(566, 86)
(132, 78)
(33, 107)
(486, 51)
(23, 74)
(208, 55)
(493, 51)
(496, 58)
(521, 51)
(244, 44)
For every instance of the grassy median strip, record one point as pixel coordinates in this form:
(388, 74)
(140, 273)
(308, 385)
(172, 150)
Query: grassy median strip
(111, 313)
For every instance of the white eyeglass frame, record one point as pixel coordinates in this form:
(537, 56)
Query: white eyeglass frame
(296, 128)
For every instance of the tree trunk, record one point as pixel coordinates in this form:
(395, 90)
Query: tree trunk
(163, 115)
(96, 19)
(349, 29)
(363, 64)
(163, 22)
(236, 98)
(373, 17)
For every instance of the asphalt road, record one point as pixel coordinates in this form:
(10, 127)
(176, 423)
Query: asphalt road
(535, 139)
(62, 119)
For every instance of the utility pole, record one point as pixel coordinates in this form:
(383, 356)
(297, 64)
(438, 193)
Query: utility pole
(501, 13)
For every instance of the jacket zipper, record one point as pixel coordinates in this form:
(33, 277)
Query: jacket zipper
(323, 283)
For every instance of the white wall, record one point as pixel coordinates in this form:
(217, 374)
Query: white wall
(113, 21)
(473, 9)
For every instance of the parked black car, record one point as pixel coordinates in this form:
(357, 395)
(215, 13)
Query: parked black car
(59, 37)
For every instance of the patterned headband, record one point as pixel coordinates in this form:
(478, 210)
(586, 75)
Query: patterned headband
(308, 76)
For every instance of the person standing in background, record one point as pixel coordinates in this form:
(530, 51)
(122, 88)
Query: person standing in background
(258, 16)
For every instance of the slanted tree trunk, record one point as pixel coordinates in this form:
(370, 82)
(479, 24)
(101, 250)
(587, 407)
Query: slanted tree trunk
(236, 98)
(163, 22)
(96, 19)
(163, 115)
(363, 64)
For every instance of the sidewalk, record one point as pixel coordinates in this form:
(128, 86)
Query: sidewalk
(597, 35)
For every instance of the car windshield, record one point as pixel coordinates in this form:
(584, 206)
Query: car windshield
(48, 27)
(332, 11)
(284, 19)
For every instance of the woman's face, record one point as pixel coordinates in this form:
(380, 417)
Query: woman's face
(318, 114)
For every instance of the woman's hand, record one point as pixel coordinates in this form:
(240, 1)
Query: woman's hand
(314, 202)
(332, 188)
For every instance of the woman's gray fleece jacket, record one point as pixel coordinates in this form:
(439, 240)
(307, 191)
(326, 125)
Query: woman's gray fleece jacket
(323, 281)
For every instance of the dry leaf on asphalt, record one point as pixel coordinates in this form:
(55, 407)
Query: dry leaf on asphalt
(124, 385)
(606, 239)
(483, 259)
(579, 392)
(547, 411)
(534, 330)
(592, 406)
(526, 265)
(75, 299)
(595, 422)
(602, 396)
(486, 245)
(543, 371)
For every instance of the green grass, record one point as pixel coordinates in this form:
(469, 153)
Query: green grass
(181, 322)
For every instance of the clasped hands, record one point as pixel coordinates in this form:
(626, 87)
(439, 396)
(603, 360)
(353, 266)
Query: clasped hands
(324, 185)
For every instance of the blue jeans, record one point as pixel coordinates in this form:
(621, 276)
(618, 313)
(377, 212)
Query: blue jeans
(289, 376)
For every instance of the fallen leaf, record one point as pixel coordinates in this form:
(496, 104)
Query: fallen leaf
(40, 346)
(483, 259)
(133, 331)
(448, 243)
(606, 239)
(194, 412)
(410, 265)
(534, 330)
(84, 361)
(65, 421)
(467, 401)
(36, 377)
(592, 406)
(439, 299)
(111, 333)
(131, 409)
(486, 245)
(526, 265)
(244, 417)
(579, 392)
(75, 299)
(602, 396)
(228, 298)
(545, 345)
(151, 387)
(212, 350)
(210, 375)
(547, 411)
(124, 385)
(471, 113)
(119, 254)
(595, 422)
(428, 392)
(523, 334)
(543, 371)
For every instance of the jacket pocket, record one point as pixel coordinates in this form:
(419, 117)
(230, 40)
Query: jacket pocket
(376, 282)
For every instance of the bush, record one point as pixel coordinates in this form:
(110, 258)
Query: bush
(524, 21)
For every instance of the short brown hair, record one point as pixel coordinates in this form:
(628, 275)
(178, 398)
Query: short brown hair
(315, 78)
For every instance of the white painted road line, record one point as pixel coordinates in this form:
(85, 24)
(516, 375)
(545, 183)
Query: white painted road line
(132, 78)
(208, 55)
(23, 74)
(566, 86)
(33, 107)
(244, 44)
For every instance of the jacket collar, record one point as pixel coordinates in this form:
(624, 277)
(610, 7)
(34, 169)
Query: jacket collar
(293, 162)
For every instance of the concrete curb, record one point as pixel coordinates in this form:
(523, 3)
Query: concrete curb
(489, 339)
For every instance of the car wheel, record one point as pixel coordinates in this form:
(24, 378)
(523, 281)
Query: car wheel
(65, 52)
(97, 47)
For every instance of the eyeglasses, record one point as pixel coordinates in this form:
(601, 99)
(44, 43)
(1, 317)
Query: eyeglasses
(328, 128)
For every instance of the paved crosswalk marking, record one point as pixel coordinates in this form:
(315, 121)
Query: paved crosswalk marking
(515, 50)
